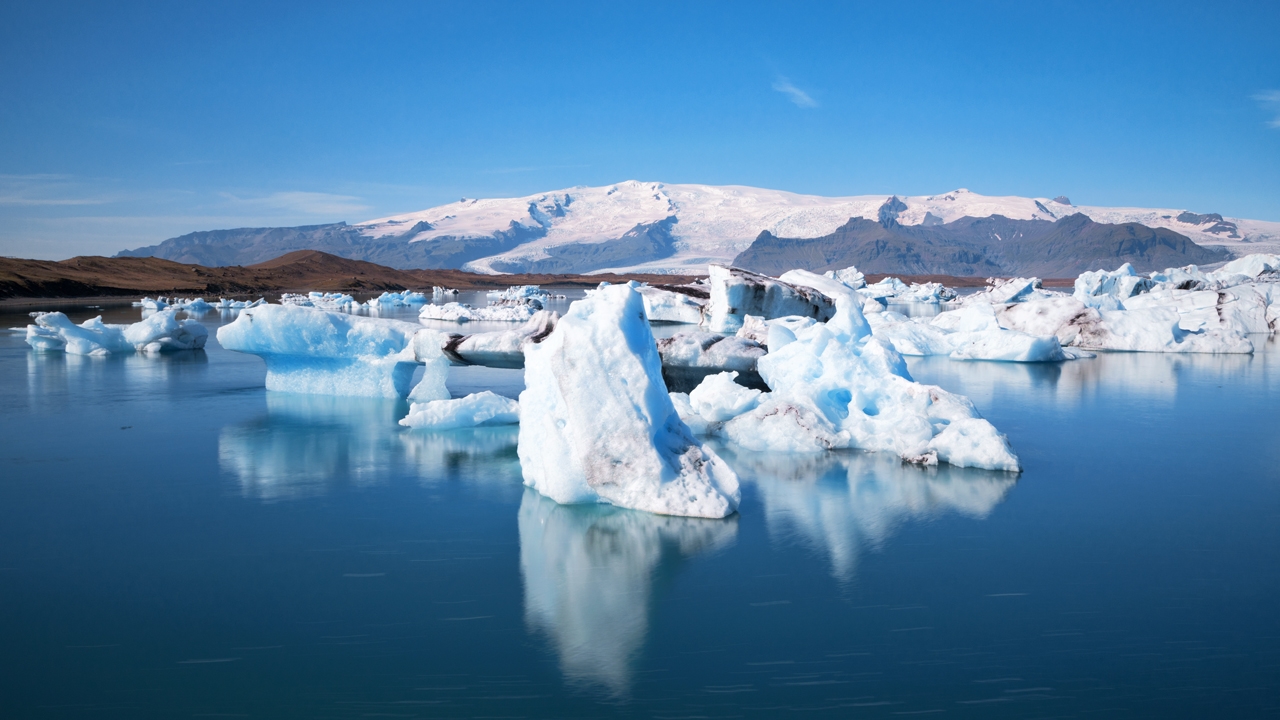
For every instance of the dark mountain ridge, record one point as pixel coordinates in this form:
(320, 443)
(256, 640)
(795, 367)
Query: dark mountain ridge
(990, 246)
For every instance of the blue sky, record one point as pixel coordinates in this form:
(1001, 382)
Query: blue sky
(124, 124)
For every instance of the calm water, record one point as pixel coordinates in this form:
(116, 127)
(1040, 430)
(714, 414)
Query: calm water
(177, 542)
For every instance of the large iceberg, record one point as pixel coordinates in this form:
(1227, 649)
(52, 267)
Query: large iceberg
(308, 350)
(683, 305)
(972, 332)
(159, 332)
(837, 386)
(597, 424)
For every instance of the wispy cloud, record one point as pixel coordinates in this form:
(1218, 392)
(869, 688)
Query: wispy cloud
(303, 203)
(45, 190)
(1270, 102)
(793, 93)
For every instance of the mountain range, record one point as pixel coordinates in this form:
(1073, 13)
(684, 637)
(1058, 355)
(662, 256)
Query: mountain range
(669, 228)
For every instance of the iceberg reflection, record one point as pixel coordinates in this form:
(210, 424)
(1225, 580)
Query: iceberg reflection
(588, 577)
(842, 502)
(306, 444)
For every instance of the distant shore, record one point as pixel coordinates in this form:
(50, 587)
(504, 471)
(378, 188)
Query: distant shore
(109, 281)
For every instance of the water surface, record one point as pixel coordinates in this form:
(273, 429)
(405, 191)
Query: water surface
(177, 542)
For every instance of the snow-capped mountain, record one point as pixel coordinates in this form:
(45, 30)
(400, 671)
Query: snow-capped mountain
(658, 227)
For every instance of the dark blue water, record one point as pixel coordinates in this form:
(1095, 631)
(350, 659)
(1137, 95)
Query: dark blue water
(177, 542)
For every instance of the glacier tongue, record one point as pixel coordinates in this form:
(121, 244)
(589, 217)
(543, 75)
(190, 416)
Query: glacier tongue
(597, 424)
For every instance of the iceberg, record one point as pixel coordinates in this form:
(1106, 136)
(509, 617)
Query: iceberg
(474, 410)
(736, 293)
(516, 311)
(326, 301)
(502, 349)
(837, 386)
(972, 332)
(399, 299)
(308, 350)
(850, 276)
(696, 349)
(662, 305)
(1158, 328)
(597, 424)
(159, 332)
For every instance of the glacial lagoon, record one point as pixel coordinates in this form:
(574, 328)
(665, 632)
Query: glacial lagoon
(175, 541)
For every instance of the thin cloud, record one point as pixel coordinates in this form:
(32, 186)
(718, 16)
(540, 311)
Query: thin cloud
(303, 203)
(797, 96)
(44, 190)
(1270, 102)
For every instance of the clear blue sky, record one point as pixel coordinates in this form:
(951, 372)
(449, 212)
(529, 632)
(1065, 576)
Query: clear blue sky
(123, 124)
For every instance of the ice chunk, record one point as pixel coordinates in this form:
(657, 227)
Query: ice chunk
(598, 425)
(710, 350)
(520, 292)
(1009, 290)
(163, 332)
(969, 333)
(159, 332)
(504, 348)
(736, 293)
(460, 313)
(1251, 266)
(718, 398)
(399, 299)
(836, 388)
(849, 276)
(1120, 283)
(670, 306)
(308, 350)
(476, 409)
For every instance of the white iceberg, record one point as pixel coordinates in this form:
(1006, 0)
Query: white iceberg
(308, 350)
(713, 351)
(398, 299)
(837, 386)
(517, 311)
(671, 306)
(850, 276)
(324, 301)
(597, 424)
(474, 410)
(159, 332)
(736, 293)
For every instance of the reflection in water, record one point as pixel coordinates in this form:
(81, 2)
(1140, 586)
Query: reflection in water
(58, 380)
(1153, 376)
(588, 574)
(307, 443)
(839, 502)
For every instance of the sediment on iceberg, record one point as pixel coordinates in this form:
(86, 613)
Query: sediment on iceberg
(597, 424)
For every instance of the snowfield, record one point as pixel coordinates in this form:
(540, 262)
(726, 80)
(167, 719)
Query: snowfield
(715, 223)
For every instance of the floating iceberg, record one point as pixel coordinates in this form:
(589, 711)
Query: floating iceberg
(474, 410)
(664, 305)
(160, 332)
(711, 351)
(516, 293)
(850, 276)
(516, 311)
(153, 304)
(597, 423)
(308, 350)
(502, 349)
(837, 386)
(970, 333)
(398, 299)
(324, 301)
(736, 293)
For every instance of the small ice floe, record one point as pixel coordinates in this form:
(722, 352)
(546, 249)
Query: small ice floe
(403, 298)
(597, 424)
(324, 301)
(160, 332)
